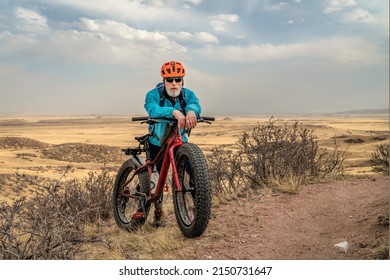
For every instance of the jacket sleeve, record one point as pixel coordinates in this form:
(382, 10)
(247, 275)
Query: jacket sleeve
(192, 102)
(152, 105)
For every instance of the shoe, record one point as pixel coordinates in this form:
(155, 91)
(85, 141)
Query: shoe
(158, 220)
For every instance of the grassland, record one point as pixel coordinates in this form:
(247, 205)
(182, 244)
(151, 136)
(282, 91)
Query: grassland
(45, 146)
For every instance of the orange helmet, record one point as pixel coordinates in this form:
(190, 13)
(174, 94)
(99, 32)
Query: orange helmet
(172, 69)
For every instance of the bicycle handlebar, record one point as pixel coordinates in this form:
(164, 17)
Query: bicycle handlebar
(137, 119)
(211, 119)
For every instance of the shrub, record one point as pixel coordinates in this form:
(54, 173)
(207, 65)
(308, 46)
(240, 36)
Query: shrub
(225, 170)
(273, 155)
(91, 194)
(380, 159)
(50, 223)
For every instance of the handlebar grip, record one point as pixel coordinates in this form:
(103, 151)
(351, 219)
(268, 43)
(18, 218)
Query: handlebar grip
(208, 118)
(138, 119)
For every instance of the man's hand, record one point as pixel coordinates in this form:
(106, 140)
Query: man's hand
(181, 119)
(188, 121)
(191, 119)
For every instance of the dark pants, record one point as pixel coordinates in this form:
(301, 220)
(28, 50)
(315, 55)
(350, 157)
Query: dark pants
(154, 150)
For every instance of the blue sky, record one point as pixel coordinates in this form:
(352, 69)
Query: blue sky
(241, 57)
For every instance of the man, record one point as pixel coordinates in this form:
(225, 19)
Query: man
(170, 99)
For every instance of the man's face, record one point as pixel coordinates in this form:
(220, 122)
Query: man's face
(173, 86)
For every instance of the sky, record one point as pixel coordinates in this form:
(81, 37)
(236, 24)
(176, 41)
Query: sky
(242, 57)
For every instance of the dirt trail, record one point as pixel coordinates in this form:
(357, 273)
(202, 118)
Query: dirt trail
(301, 226)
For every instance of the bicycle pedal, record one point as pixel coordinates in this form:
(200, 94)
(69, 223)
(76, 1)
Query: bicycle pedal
(138, 215)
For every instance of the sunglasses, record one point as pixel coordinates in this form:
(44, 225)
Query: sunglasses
(170, 80)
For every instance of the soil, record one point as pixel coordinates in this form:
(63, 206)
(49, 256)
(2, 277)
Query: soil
(302, 226)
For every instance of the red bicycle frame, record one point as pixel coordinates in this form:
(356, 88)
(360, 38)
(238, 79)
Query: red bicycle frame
(174, 141)
(170, 144)
(171, 141)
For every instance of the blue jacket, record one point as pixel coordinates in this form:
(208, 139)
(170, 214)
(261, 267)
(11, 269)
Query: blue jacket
(152, 106)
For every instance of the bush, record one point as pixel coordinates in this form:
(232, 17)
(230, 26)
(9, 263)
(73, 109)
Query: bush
(273, 155)
(380, 159)
(225, 170)
(50, 223)
(91, 195)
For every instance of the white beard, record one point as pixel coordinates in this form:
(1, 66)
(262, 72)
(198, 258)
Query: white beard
(174, 93)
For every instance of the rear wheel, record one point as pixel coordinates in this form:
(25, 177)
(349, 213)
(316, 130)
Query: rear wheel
(193, 204)
(125, 207)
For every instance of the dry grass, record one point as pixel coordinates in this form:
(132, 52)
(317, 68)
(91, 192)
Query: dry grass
(42, 145)
(100, 138)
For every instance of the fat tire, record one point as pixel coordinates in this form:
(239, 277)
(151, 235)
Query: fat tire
(191, 163)
(118, 202)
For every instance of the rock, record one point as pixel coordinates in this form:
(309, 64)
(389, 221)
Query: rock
(362, 245)
(342, 247)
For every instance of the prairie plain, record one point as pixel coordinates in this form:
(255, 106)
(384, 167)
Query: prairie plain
(44, 145)
(305, 226)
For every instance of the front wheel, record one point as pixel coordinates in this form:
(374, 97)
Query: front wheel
(193, 204)
(125, 207)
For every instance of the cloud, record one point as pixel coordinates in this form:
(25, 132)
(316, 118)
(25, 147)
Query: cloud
(205, 37)
(114, 29)
(103, 41)
(342, 50)
(108, 41)
(124, 10)
(359, 15)
(160, 3)
(194, 2)
(15, 43)
(379, 22)
(276, 7)
(31, 21)
(63, 49)
(96, 41)
(219, 22)
(338, 5)
(197, 37)
(110, 28)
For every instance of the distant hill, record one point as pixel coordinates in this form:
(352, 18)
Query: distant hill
(364, 112)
